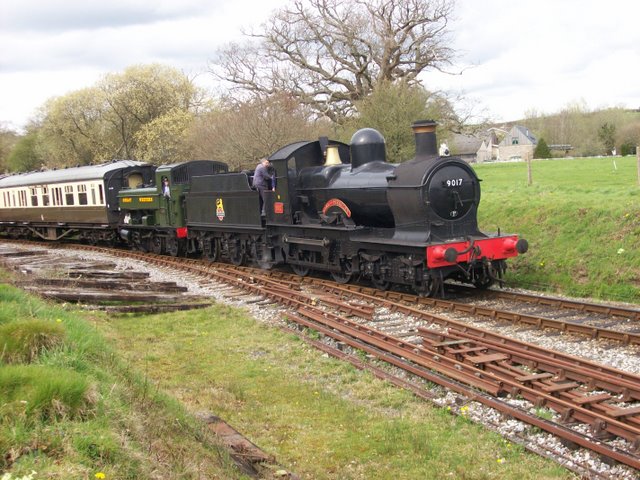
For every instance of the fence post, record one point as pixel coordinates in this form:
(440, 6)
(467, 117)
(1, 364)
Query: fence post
(638, 157)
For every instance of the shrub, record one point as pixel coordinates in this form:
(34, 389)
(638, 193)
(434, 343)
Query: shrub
(542, 150)
(627, 149)
(42, 392)
(24, 340)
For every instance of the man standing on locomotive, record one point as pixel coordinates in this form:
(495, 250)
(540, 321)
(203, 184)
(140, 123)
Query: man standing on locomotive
(263, 180)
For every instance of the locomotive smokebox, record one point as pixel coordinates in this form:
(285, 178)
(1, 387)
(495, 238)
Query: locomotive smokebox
(425, 133)
(367, 145)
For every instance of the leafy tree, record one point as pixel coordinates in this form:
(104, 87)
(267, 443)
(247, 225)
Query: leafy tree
(329, 54)
(164, 139)
(73, 130)
(140, 95)
(607, 135)
(25, 157)
(629, 138)
(542, 149)
(391, 109)
(8, 138)
(102, 122)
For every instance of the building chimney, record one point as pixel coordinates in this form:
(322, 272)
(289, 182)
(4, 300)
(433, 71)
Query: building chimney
(425, 133)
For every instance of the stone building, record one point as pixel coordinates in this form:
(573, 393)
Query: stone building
(481, 147)
(518, 144)
(488, 150)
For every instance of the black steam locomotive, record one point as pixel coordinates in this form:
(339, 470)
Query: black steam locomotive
(336, 208)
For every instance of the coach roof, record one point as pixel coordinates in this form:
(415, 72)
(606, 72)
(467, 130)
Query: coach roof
(74, 174)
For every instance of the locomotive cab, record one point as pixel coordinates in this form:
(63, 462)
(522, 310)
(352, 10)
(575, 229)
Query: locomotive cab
(295, 165)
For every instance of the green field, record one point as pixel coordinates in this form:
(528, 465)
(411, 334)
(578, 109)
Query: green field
(581, 218)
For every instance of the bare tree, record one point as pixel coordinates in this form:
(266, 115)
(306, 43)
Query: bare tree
(240, 133)
(330, 53)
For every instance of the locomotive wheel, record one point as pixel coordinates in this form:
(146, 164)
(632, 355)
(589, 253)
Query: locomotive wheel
(483, 283)
(237, 256)
(379, 283)
(300, 270)
(213, 250)
(485, 278)
(157, 245)
(345, 275)
(173, 246)
(430, 289)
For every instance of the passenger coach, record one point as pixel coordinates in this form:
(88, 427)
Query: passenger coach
(72, 202)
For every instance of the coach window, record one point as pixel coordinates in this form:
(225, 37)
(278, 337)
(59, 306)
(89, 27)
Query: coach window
(68, 194)
(82, 194)
(45, 196)
(101, 194)
(22, 198)
(34, 197)
(57, 195)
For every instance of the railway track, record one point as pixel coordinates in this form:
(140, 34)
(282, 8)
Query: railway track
(628, 335)
(589, 405)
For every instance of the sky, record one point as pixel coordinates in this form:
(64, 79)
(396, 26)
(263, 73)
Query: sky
(513, 57)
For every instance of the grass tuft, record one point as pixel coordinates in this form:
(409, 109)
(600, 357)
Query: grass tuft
(21, 341)
(31, 392)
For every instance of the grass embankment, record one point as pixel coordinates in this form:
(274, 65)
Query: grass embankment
(77, 405)
(71, 408)
(581, 218)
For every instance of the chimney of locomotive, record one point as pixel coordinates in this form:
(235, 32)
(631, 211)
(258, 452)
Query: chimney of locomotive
(425, 133)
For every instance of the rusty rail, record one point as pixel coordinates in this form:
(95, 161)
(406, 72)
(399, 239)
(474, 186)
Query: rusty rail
(625, 338)
(461, 376)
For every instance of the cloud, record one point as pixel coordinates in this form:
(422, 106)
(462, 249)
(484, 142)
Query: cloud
(51, 17)
(544, 54)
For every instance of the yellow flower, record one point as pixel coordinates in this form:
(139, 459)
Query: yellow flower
(501, 460)
(100, 475)
(59, 320)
